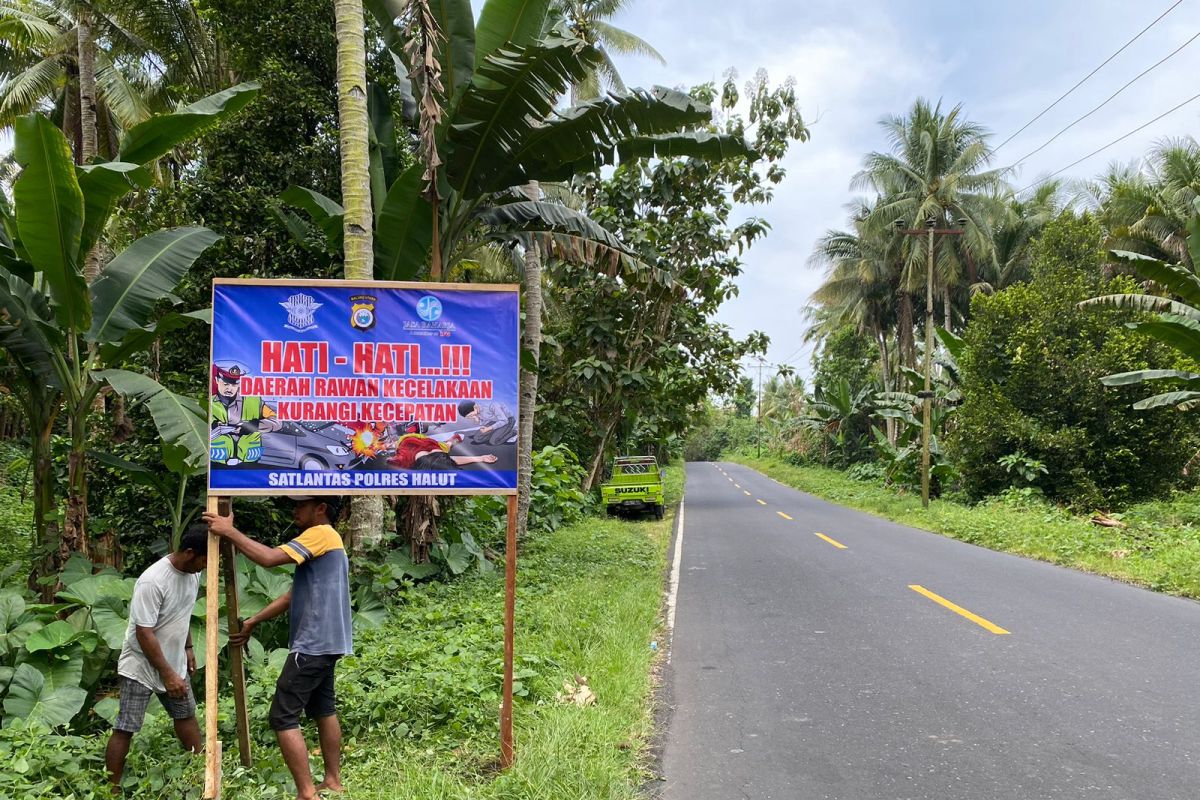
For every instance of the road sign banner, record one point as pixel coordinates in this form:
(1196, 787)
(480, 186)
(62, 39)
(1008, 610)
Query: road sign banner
(346, 387)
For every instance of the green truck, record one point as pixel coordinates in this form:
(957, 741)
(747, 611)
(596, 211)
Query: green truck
(636, 485)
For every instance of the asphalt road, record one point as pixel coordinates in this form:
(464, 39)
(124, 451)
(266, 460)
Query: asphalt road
(810, 668)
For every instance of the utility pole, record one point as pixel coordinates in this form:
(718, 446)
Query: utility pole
(758, 438)
(926, 396)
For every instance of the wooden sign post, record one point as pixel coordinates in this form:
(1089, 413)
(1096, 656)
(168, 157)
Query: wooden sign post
(212, 742)
(221, 560)
(510, 605)
(375, 387)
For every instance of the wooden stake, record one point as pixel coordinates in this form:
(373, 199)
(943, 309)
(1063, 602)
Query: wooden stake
(510, 606)
(212, 744)
(236, 669)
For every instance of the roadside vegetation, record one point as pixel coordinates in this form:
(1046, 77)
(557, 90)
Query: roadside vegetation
(419, 698)
(1063, 364)
(158, 144)
(1157, 545)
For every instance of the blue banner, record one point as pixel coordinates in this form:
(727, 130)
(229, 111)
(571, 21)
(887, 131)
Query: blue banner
(339, 388)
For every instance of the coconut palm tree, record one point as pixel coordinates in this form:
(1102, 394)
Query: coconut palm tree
(936, 169)
(588, 20)
(1013, 238)
(863, 286)
(1146, 209)
(124, 60)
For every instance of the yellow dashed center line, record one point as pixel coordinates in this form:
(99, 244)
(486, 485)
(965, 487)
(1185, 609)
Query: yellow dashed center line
(836, 544)
(738, 485)
(745, 492)
(785, 516)
(978, 620)
(760, 502)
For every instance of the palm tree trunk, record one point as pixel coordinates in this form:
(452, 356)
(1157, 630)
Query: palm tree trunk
(353, 138)
(908, 346)
(87, 113)
(531, 342)
(948, 309)
(885, 374)
(366, 512)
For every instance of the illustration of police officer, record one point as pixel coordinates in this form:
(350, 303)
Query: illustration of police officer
(238, 423)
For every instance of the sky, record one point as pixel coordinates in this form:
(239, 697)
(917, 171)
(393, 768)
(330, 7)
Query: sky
(855, 63)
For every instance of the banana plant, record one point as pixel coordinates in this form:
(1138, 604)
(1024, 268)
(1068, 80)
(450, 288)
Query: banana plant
(1175, 321)
(68, 339)
(503, 80)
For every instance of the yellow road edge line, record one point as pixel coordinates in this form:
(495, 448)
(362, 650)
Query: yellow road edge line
(833, 542)
(745, 493)
(978, 620)
(785, 516)
(760, 502)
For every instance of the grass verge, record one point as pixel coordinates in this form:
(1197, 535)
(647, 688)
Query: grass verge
(1159, 549)
(419, 702)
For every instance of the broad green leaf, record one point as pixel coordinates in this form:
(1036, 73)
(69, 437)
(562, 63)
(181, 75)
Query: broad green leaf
(77, 568)
(180, 420)
(402, 560)
(27, 329)
(1179, 280)
(140, 339)
(145, 273)
(504, 24)
(12, 606)
(103, 185)
(404, 229)
(28, 698)
(49, 211)
(511, 93)
(587, 136)
(381, 140)
(1138, 376)
(88, 590)
(702, 145)
(1181, 333)
(110, 616)
(1167, 399)
(107, 709)
(55, 635)
(955, 345)
(458, 558)
(326, 213)
(1143, 302)
(137, 473)
(158, 135)
(369, 612)
(457, 23)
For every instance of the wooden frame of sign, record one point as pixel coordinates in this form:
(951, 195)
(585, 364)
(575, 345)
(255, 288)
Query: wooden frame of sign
(221, 559)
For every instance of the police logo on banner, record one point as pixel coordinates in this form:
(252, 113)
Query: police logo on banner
(362, 312)
(301, 308)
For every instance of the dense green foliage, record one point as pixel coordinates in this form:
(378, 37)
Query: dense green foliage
(419, 697)
(845, 354)
(1031, 384)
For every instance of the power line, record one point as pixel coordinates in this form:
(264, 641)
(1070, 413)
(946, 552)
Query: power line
(1089, 75)
(1097, 151)
(1106, 102)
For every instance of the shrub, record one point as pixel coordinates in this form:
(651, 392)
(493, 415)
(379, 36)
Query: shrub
(1031, 385)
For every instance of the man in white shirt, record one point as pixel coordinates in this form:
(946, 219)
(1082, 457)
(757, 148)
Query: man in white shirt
(157, 656)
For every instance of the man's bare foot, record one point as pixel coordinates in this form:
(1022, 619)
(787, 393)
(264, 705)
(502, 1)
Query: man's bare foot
(328, 785)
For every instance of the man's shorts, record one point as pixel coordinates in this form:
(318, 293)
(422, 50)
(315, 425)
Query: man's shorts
(305, 685)
(135, 699)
